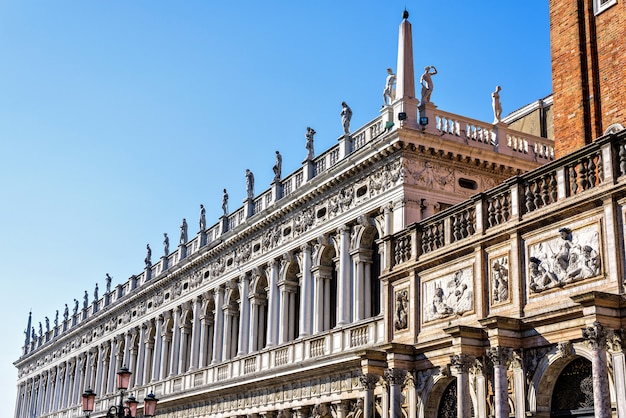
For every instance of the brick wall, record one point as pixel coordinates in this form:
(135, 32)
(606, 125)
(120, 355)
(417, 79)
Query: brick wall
(587, 78)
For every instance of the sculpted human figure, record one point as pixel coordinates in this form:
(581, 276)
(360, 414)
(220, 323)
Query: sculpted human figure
(40, 330)
(225, 203)
(166, 244)
(202, 218)
(47, 324)
(108, 281)
(278, 166)
(346, 115)
(249, 184)
(66, 313)
(85, 300)
(95, 293)
(388, 92)
(427, 83)
(183, 232)
(310, 133)
(497, 106)
(56, 319)
(75, 306)
(148, 259)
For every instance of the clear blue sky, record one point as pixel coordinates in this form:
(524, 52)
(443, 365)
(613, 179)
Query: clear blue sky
(119, 118)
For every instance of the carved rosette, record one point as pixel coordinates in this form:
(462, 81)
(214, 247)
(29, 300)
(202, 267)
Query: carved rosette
(395, 376)
(595, 336)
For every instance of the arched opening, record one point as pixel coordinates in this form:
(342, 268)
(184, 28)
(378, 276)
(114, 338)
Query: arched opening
(258, 313)
(573, 392)
(447, 404)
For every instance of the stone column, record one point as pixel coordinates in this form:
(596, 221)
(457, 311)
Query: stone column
(359, 301)
(204, 334)
(244, 317)
(133, 365)
(460, 367)
(272, 292)
(184, 346)
(368, 381)
(148, 353)
(306, 292)
(228, 324)
(344, 292)
(175, 348)
(102, 367)
(318, 302)
(218, 329)
(595, 336)
(616, 350)
(112, 363)
(499, 356)
(395, 378)
(166, 343)
(196, 334)
(254, 324)
(156, 355)
(519, 382)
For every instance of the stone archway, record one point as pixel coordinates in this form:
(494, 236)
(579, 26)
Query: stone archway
(573, 391)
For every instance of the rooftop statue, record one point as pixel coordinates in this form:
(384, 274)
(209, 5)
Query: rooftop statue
(148, 259)
(497, 106)
(427, 83)
(95, 293)
(278, 166)
(389, 91)
(183, 232)
(166, 244)
(346, 115)
(249, 184)
(310, 133)
(108, 281)
(202, 218)
(85, 300)
(225, 203)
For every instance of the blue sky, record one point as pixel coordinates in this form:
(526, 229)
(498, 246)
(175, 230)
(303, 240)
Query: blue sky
(119, 118)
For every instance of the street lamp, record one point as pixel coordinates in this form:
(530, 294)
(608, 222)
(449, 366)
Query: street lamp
(129, 410)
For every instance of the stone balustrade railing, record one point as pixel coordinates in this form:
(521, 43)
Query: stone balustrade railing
(350, 338)
(498, 137)
(521, 198)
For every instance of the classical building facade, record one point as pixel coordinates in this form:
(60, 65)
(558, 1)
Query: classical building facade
(427, 265)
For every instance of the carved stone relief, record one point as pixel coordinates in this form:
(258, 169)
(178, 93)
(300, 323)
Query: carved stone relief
(449, 295)
(401, 310)
(499, 274)
(569, 257)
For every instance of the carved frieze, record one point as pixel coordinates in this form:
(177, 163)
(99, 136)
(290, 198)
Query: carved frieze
(449, 295)
(568, 256)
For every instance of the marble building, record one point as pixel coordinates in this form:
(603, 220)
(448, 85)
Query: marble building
(426, 265)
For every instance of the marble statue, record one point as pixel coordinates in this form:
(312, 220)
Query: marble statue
(40, 329)
(183, 232)
(95, 293)
(166, 244)
(85, 300)
(249, 184)
(497, 106)
(56, 319)
(346, 115)
(47, 324)
(225, 203)
(278, 166)
(148, 259)
(427, 83)
(388, 92)
(310, 133)
(75, 306)
(202, 218)
(108, 281)
(66, 313)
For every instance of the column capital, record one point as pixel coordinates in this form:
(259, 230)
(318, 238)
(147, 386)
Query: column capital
(499, 356)
(461, 362)
(369, 380)
(395, 376)
(595, 336)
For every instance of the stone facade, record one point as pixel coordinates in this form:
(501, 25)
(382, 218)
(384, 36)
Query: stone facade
(427, 265)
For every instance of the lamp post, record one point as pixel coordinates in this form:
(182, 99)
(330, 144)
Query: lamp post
(129, 409)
